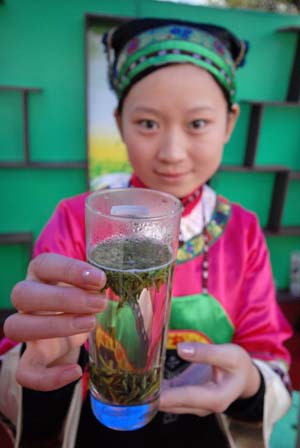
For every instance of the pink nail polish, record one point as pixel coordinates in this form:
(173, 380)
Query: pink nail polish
(93, 277)
(186, 349)
(86, 274)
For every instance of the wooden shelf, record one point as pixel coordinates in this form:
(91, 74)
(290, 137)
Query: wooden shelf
(25, 238)
(256, 168)
(256, 116)
(24, 91)
(257, 107)
(292, 28)
(271, 103)
(283, 231)
(21, 89)
(283, 175)
(294, 84)
(294, 175)
(16, 238)
(44, 165)
(255, 122)
(279, 193)
(27, 162)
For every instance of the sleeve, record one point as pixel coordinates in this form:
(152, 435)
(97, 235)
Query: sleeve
(249, 409)
(10, 390)
(262, 329)
(64, 233)
(46, 412)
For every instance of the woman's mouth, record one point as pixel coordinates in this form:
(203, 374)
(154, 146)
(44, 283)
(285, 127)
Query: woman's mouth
(172, 177)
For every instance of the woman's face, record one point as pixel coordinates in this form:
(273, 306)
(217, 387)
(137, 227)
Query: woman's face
(174, 124)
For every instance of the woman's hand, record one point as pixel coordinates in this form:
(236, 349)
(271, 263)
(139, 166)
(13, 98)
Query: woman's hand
(219, 375)
(57, 304)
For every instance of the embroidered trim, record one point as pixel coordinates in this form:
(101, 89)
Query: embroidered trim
(214, 229)
(173, 44)
(162, 57)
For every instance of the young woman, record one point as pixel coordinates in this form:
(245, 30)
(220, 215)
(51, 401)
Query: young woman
(226, 366)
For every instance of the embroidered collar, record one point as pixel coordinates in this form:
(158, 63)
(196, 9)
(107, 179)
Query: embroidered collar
(195, 246)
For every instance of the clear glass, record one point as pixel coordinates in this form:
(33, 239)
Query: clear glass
(132, 235)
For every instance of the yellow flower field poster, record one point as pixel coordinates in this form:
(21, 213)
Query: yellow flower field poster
(106, 152)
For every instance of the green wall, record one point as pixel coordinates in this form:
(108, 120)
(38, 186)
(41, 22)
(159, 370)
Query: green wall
(42, 46)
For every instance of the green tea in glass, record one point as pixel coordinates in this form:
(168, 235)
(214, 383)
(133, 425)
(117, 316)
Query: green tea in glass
(132, 235)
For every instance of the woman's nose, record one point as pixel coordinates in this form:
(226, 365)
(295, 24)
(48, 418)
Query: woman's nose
(173, 146)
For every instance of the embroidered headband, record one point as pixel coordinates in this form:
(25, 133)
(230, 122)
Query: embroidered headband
(138, 52)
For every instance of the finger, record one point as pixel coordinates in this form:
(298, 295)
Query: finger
(54, 352)
(181, 397)
(42, 378)
(210, 397)
(25, 327)
(54, 268)
(186, 410)
(225, 356)
(195, 374)
(35, 370)
(32, 296)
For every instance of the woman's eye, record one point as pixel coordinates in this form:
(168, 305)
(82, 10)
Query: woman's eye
(198, 124)
(148, 124)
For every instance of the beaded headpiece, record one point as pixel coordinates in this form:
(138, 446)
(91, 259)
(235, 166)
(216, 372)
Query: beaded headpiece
(141, 46)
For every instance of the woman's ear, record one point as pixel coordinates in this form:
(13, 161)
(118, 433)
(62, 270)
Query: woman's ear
(231, 121)
(118, 120)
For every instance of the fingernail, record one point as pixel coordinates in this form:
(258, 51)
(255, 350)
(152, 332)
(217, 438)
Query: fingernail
(84, 322)
(93, 277)
(186, 349)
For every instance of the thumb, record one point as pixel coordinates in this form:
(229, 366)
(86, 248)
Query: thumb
(225, 356)
(35, 373)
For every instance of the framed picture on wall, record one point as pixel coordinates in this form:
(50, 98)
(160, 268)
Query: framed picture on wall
(106, 153)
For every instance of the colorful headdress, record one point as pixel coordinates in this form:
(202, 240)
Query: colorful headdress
(141, 46)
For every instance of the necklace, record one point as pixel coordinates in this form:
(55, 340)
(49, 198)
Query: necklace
(189, 202)
(205, 263)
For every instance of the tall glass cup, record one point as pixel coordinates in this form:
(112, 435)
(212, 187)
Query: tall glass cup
(132, 235)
